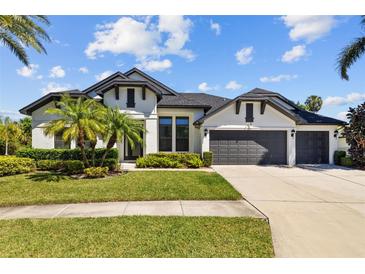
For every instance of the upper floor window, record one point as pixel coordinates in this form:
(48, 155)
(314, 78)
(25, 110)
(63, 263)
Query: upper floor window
(59, 143)
(182, 133)
(249, 112)
(130, 98)
(165, 133)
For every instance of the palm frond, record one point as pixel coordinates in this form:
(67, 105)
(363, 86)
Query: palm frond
(349, 55)
(15, 47)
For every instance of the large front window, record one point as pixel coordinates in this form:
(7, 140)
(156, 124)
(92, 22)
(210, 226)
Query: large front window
(59, 143)
(165, 134)
(182, 133)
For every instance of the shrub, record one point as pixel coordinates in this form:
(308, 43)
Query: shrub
(73, 166)
(64, 154)
(10, 165)
(207, 158)
(96, 172)
(170, 160)
(338, 155)
(49, 164)
(346, 161)
(111, 163)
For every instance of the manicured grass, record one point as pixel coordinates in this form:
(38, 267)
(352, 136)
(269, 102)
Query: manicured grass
(137, 236)
(49, 188)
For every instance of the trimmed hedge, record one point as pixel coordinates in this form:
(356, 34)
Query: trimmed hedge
(64, 154)
(207, 158)
(96, 172)
(50, 164)
(346, 161)
(73, 166)
(10, 165)
(170, 160)
(338, 155)
(112, 164)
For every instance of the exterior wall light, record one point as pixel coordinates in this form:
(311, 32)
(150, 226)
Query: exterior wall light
(335, 133)
(292, 133)
(205, 132)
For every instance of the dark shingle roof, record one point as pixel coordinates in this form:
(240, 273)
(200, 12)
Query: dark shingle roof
(301, 117)
(211, 100)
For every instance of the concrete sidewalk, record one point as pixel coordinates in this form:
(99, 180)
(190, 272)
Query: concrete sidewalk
(239, 208)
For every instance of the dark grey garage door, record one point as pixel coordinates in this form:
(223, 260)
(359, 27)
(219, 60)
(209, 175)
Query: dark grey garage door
(312, 147)
(248, 147)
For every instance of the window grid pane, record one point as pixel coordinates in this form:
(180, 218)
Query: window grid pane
(182, 133)
(165, 133)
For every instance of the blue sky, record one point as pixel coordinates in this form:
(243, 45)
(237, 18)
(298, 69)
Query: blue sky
(220, 55)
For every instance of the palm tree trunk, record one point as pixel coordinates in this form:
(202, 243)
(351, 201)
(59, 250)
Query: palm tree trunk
(92, 145)
(81, 143)
(6, 146)
(109, 145)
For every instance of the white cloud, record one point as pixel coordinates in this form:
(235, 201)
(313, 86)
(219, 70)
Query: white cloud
(204, 87)
(57, 72)
(294, 55)
(178, 30)
(278, 78)
(84, 70)
(39, 77)
(348, 99)
(215, 27)
(155, 65)
(54, 87)
(29, 71)
(244, 55)
(233, 85)
(307, 27)
(103, 75)
(342, 115)
(142, 38)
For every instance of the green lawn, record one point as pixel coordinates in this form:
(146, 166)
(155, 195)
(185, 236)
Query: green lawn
(137, 236)
(49, 188)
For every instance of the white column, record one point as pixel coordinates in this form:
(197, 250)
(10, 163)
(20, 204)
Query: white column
(151, 136)
(205, 140)
(291, 148)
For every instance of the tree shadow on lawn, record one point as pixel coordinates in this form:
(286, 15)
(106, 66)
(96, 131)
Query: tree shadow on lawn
(47, 177)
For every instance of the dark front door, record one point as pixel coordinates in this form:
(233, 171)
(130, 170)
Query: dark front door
(248, 147)
(132, 154)
(312, 147)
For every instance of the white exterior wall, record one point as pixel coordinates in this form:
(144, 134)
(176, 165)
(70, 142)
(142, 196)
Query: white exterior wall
(145, 110)
(39, 120)
(227, 119)
(270, 120)
(194, 133)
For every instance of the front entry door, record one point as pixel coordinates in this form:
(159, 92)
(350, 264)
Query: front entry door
(132, 154)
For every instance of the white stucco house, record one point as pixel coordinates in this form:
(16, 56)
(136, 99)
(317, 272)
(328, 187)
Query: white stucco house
(257, 127)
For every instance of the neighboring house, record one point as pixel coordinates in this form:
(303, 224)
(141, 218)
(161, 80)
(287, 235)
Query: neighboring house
(257, 127)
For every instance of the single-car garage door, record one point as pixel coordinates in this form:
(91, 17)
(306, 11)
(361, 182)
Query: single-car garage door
(312, 147)
(248, 147)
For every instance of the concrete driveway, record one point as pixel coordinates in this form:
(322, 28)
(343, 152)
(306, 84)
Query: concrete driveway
(314, 211)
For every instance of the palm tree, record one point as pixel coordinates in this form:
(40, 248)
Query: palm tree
(117, 126)
(20, 31)
(313, 103)
(9, 132)
(77, 120)
(351, 53)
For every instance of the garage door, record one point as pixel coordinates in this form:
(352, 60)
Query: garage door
(248, 147)
(312, 147)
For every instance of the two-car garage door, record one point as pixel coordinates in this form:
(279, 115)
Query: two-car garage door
(245, 147)
(252, 147)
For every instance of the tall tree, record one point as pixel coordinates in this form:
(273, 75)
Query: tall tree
(117, 126)
(9, 132)
(77, 120)
(20, 31)
(26, 127)
(355, 134)
(351, 53)
(313, 103)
